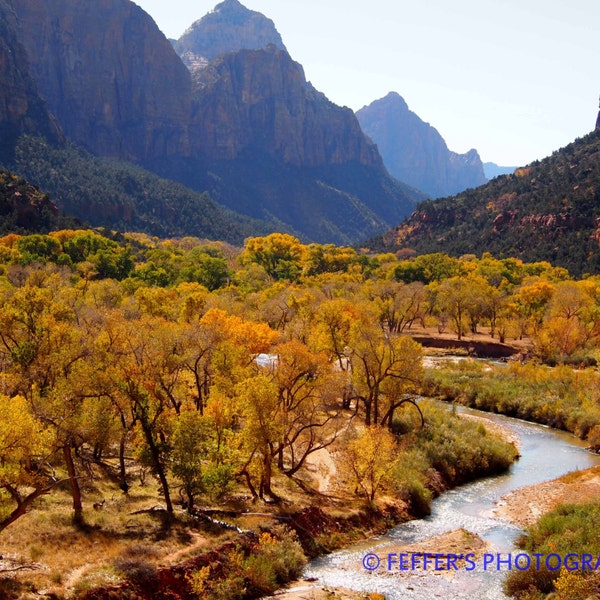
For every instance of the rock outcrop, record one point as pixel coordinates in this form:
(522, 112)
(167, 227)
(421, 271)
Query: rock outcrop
(228, 28)
(260, 99)
(415, 152)
(273, 147)
(22, 110)
(23, 207)
(109, 75)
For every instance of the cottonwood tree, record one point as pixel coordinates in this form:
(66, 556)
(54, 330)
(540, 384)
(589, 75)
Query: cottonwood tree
(306, 387)
(385, 371)
(148, 406)
(331, 329)
(453, 296)
(370, 458)
(258, 400)
(47, 351)
(26, 447)
(399, 304)
(280, 254)
(191, 443)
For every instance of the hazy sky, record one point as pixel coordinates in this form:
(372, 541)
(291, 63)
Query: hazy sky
(515, 79)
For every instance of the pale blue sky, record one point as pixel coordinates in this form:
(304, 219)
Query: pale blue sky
(515, 79)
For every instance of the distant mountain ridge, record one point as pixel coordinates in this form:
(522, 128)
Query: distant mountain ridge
(248, 128)
(414, 151)
(549, 210)
(492, 170)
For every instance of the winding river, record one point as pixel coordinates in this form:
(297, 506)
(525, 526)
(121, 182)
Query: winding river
(545, 454)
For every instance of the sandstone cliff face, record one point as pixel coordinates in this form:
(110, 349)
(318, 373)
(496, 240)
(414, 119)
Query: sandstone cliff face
(265, 143)
(228, 28)
(415, 152)
(259, 99)
(21, 108)
(108, 74)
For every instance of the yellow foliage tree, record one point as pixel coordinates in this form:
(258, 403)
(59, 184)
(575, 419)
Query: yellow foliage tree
(25, 447)
(370, 458)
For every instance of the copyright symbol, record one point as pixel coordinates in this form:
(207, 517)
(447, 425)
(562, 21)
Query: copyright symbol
(371, 562)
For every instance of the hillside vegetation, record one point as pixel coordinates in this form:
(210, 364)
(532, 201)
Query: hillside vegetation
(116, 194)
(549, 210)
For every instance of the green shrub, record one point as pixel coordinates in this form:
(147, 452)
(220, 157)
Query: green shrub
(561, 397)
(565, 530)
(272, 561)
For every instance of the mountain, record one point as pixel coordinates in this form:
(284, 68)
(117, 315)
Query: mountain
(22, 110)
(492, 170)
(248, 128)
(415, 152)
(547, 211)
(228, 28)
(273, 147)
(109, 75)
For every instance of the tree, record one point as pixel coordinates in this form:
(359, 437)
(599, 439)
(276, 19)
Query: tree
(370, 458)
(280, 254)
(453, 299)
(143, 378)
(48, 354)
(259, 403)
(25, 450)
(330, 331)
(399, 304)
(529, 303)
(328, 258)
(191, 440)
(385, 371)
(429, 267)
(306, 385)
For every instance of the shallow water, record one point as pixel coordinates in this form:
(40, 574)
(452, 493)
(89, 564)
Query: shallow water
(545, 454)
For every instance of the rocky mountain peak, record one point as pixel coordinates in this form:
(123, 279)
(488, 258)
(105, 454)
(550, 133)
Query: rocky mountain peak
(414, 152)
(392, 100)
(260, 99)
(228, 28)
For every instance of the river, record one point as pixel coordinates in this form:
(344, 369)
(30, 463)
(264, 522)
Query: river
(545, 454)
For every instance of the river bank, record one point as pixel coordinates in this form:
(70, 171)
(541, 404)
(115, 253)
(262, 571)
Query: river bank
(524, 506)
(545, 455)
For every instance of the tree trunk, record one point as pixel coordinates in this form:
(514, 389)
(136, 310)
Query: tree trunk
(367, 412)
(157, 465)
(265, 480)
(74, 485)
(122, 469)
(249, 483)
(24, 503)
